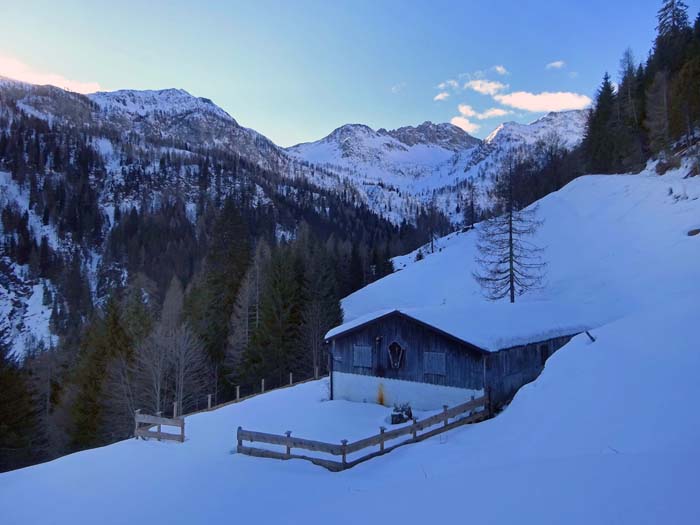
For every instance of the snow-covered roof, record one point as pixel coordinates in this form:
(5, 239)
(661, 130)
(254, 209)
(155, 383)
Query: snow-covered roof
(491, 326)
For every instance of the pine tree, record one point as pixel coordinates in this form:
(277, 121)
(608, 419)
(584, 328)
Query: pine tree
(356, 272)
(322, 310)
(106, 340)
(657, 106)
(600, 141)
(630, 133)
(245, 318)
(684, 110)
(510, 264)
(673, 35)
(210, 305)
(275, 347)
(18, 414)
(672, 18)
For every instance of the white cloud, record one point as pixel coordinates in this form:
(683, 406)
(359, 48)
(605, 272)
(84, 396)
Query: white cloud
(501, 70)
(13, 68)
(397, 88)
(493, 113)
(448, 84)
(557, 64)
(485, 87)
(443, 95)
(545, 101)
(465, 124)
(467, 111)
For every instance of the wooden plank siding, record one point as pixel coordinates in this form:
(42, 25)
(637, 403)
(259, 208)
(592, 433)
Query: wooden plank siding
(507, 370)
(464, 366)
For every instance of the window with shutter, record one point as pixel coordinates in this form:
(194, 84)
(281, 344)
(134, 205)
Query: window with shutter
(434, 363)
(362, 356)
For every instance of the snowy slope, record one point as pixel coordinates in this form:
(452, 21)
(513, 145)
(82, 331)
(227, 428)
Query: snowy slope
(607, 434)
(603, 436)
(606, 237)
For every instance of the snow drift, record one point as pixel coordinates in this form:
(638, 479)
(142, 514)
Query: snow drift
(607, 434)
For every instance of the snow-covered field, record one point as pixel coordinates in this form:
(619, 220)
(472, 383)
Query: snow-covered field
(608, 434)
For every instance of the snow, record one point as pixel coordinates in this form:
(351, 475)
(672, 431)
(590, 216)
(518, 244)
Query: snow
(421, 396)
(607, 433)
(518, 324)
(397, 171)
(605, 238)
(147, 102)
(603, 436)
(568, 125)
(22, 311)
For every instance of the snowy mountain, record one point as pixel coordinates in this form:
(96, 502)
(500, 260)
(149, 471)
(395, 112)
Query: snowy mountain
(110, 153)
(394, 172)
(174, 114)
(599, 437)
(399, 171)
(145, 146)
(567, 126)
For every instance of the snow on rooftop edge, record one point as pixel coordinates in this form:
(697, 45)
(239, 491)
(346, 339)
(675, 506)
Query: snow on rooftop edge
(493, 326)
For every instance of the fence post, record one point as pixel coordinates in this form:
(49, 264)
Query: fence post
(240, 441)
(291, 382)
(182, 431)
(238, 392)
(381, 438)
(315, 372)
(444, 415)
(209, 402)
(262, 386)
(413, 427)
(487, 401)
(174, 409)
(288, 433)
(136, 422)
(159, 413)
(344, 442)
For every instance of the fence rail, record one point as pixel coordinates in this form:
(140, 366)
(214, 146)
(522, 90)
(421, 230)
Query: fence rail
(460, 414)
(143, 423)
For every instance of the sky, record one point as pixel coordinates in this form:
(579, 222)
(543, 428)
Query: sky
(296, 70)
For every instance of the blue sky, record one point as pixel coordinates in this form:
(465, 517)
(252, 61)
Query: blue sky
(296, 70)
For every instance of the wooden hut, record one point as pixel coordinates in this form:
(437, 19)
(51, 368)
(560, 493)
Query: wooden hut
(426, 357)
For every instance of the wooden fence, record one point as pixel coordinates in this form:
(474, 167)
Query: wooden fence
(238, 398)
(143, 423)
(460, 414)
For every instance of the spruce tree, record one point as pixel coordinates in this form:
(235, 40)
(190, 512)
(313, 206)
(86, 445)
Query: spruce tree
(600, 142)
(275, 348)
(18, 414)
(673, 35)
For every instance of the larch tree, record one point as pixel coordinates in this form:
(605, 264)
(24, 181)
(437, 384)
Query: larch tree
(509, 263)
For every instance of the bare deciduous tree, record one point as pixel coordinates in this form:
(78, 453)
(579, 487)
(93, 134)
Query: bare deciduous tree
(189, 364)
